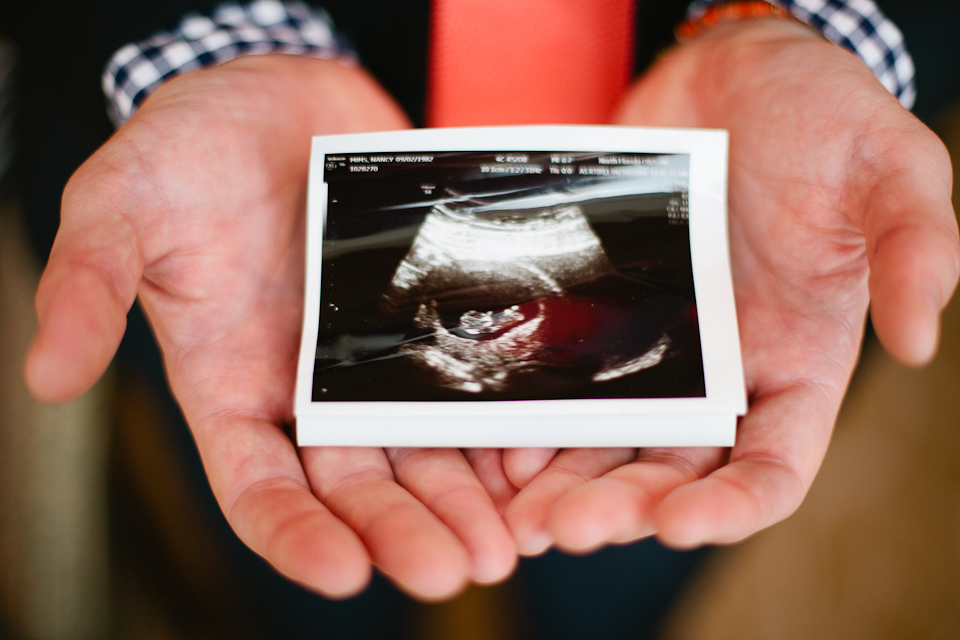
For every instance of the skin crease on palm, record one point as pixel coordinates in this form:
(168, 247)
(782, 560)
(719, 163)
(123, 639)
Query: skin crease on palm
(195, 206)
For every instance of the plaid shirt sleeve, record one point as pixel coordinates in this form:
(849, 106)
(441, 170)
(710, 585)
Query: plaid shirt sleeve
(231, 30)
(272, 26)
(857, 25)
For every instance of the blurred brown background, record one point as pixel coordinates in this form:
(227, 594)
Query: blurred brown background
(102, 537)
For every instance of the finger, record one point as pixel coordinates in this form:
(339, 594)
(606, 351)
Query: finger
(617, 507)
(445, 483)
(87, 288)
(282, 521)
(527, 514)
(912, 276)
(488, 465)
(521, 465)
(405, 539)
(780, 444)
(257, 477)
(913, 252)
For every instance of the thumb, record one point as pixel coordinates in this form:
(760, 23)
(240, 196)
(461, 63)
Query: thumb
(86, 290)
(914, 258)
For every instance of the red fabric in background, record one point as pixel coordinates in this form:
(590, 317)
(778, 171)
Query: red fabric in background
(505, 62)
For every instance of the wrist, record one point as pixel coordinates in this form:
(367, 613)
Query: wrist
(858, 26)
(231, 30)
(720, 56)
(301, 95)
(721, 77)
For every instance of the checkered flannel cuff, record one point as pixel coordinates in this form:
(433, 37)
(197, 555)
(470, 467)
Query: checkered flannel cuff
(857, 25)
(230, 31)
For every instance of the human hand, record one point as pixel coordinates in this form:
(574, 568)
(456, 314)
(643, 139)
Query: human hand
(197, 206)
(838, 198)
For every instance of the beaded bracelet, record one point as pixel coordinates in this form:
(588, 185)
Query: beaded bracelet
(725, 12)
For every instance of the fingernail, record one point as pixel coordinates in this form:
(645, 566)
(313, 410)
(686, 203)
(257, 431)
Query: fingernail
(535, 545)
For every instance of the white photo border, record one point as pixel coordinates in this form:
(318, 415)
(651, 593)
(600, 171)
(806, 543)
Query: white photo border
(425, 423)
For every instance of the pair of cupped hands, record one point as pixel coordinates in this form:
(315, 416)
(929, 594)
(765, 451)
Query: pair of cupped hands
(839, 198)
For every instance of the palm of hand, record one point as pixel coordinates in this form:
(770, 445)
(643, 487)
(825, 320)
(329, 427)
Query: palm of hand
(196, 206)
(832, 184)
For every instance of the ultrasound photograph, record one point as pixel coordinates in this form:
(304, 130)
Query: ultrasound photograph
(466, 276)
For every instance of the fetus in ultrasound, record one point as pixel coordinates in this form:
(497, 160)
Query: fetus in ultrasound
(497, 292)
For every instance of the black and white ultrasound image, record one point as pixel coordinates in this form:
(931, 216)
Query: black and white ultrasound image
(507, 276)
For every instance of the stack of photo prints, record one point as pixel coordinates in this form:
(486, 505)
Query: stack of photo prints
(519, 286)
